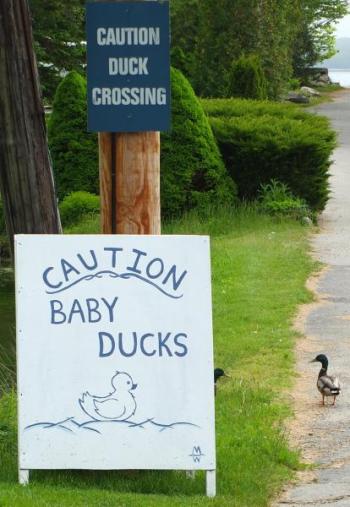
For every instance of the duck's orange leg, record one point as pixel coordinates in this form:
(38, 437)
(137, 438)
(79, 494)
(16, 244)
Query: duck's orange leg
(334, 397)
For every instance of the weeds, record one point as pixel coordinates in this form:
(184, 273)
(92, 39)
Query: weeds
(275, 198)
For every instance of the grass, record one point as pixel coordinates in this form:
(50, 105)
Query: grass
(7, 329)
(259, 268)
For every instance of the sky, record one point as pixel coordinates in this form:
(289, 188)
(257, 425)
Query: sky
(343, 27)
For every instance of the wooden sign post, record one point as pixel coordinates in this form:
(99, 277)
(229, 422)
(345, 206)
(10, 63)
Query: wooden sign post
(128, 104)
(130, 182)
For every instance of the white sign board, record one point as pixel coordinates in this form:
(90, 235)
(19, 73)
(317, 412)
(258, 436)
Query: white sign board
(115, 359)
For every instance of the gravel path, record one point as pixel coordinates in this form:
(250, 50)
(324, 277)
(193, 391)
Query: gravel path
(323, 433)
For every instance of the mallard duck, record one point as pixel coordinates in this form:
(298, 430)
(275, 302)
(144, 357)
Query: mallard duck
(328, 385)
(218, 372)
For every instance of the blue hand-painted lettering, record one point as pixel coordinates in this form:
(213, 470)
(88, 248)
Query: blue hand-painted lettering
(85, 264)
(139, 254)
(91, 266)
(89, 310)
(67, 268)
(46, 280)
(114, 251)
(155, 268)
(107, 344)
(159, 344)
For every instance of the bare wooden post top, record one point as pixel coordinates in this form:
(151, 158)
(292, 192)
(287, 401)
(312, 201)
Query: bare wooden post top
(130, 183)
(138, 185)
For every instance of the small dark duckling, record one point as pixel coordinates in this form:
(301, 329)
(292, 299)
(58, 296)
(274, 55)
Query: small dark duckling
(219, 372)
(328, 385)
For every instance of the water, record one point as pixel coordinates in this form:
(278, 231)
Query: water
(341, 76)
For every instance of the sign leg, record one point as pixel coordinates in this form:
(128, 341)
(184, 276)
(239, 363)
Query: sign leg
(23, 477)
(211, 483)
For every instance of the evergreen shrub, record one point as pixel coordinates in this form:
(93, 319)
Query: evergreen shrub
(193, 174)
(244, 107)
(73, 150)
(76, 205)
(294, 83)
(247, 78)
(277, 142)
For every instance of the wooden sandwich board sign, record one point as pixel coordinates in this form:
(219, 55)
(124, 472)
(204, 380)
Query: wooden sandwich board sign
(115, 353)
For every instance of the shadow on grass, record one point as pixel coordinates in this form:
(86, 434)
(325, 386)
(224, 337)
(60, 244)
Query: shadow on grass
(161, 482)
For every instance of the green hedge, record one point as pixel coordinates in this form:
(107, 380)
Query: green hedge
(75, 206)
(247, 78)
(193, 174)
(261, 141)
(73, 150)
(244, 107)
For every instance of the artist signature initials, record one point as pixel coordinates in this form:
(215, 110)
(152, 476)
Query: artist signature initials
(196, 454)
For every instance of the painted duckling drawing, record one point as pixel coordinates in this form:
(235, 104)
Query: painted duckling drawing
(328, 385)
(119, 405)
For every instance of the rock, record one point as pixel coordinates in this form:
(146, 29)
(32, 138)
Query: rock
(309, 92)
(324, 78)
(297, 98)
(307, 221)
(48, 109)
(318, 76)
(318, 71)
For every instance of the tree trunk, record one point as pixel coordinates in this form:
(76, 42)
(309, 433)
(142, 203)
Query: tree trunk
(26, 180)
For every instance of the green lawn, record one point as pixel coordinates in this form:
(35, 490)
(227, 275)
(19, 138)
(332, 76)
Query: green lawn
(259, 267)
(7, 328)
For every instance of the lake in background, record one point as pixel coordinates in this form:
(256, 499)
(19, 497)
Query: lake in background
(341, 76)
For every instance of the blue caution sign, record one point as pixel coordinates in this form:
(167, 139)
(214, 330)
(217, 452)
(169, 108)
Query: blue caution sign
(128, 66)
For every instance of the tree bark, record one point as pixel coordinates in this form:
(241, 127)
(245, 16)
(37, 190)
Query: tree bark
(26, 179)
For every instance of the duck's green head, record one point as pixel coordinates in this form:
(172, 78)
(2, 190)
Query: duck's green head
(321, 358)
(219, 372)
